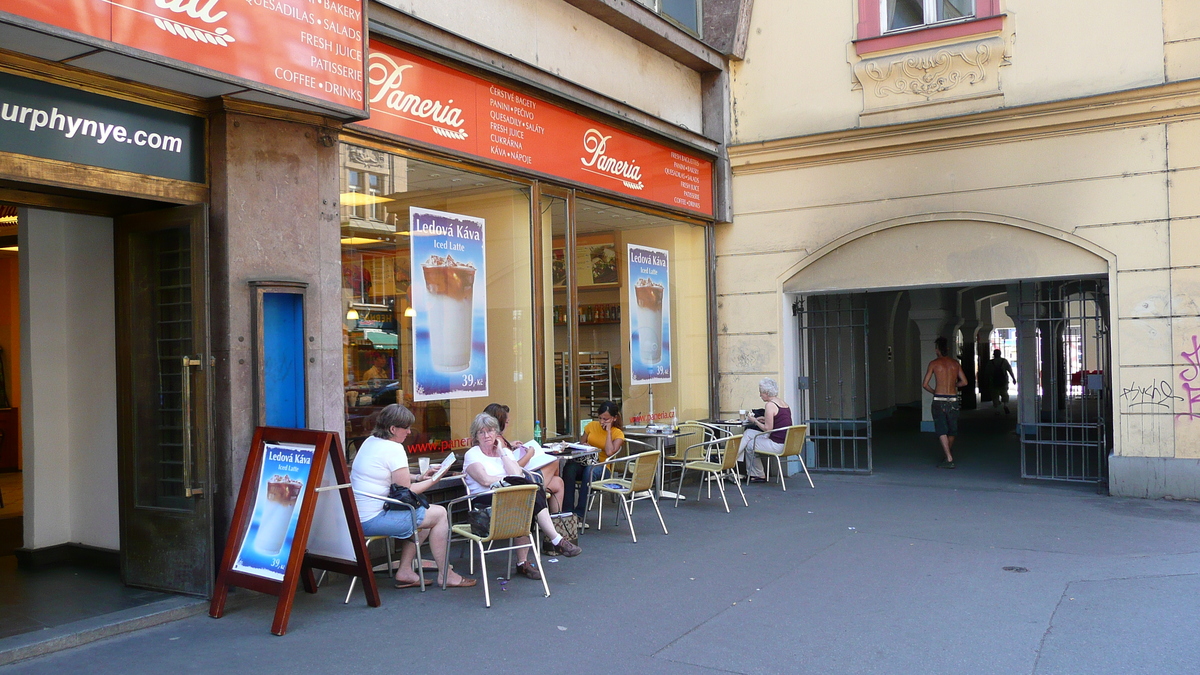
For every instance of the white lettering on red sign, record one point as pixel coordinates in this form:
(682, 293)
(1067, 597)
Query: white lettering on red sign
(628, 172)
(387, 77)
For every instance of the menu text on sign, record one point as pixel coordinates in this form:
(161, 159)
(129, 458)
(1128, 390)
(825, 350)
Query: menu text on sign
(309, 47)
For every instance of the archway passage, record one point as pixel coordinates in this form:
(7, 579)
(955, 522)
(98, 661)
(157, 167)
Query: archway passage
(868, 312)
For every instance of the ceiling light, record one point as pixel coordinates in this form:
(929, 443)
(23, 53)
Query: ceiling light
(352, 314)
(455, 180)
(359, 241)
(8, 220)
(359, 199)
(405, 233)
(8, 248)
(410, 312)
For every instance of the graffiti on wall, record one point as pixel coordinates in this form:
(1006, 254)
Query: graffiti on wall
(1190, 380)
(1156, 396)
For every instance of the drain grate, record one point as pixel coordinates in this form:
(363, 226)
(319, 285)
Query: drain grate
(1014, 568)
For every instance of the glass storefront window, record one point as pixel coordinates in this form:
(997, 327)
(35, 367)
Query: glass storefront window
(378, 189)
(599, 368)
(591, 305)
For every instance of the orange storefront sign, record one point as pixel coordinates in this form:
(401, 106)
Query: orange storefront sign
(416, 98)
(307, 47)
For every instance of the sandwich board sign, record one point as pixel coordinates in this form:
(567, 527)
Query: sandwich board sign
(271, 537)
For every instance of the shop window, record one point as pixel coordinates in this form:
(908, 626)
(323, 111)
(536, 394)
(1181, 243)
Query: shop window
(380, 300)
(685, 13)
(607, 341)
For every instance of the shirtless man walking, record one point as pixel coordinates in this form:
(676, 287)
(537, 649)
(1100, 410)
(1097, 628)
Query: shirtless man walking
(948, 376)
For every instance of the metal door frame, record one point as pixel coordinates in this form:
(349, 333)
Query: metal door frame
(839, 439)
(1066, 435)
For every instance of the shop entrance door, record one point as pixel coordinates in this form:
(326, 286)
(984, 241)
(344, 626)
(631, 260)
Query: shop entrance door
(163, 410)
(832, 331)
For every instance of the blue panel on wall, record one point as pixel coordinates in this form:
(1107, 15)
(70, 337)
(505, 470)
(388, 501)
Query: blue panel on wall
(283, 356)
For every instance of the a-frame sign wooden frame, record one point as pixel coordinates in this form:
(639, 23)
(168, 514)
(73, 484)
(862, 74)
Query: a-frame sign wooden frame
(296, 459)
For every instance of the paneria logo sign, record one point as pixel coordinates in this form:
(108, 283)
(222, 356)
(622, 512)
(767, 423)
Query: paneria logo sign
(433, 103)
(203, 10)
(387, 81)
(599, 163)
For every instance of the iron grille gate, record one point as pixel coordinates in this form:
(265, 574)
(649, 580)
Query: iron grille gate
(1064, 401)
(832, 336)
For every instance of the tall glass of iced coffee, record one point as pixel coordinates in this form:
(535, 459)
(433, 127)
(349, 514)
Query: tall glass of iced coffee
(451, 291)
(282, 492)
(650, 319)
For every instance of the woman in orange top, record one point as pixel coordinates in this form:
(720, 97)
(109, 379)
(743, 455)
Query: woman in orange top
(603, 433)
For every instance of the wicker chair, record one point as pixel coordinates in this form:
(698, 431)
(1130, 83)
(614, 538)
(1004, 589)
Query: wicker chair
(637, 485)
(512, 515)
(717, 471)
(793, 445)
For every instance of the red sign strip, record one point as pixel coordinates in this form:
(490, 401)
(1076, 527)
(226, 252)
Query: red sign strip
(308, 47)
(426, 101)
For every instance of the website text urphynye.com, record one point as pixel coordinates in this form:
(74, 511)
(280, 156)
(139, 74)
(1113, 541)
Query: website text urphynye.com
(72, 127)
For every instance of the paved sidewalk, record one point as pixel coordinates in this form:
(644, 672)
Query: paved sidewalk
(901, 574)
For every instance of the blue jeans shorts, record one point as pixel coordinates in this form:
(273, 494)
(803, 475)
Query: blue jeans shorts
(393, 523)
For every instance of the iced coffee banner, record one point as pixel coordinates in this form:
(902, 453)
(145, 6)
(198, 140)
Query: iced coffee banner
(650, 321)
(450, 327)
(268, 543)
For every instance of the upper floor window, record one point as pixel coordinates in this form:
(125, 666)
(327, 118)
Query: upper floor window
(900, 14)
(685, 13)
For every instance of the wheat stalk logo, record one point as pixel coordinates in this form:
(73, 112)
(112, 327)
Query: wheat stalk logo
(457, 135)
(220, 36)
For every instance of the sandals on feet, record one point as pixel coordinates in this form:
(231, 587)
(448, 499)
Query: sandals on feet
(463, 582)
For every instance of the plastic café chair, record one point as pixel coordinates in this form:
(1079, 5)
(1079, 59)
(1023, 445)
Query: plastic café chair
(512, 515)
(637, 484)
(718, 471)
(793, 446)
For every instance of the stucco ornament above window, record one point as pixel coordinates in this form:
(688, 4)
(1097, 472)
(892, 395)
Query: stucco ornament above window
(913, 79)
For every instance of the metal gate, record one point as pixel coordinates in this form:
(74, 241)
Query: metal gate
(1064, 402)
(832, 335)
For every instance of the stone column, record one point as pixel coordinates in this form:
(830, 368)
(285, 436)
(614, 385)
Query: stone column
(1021, 308)
(274, 216)
(967, 360)
(931, 323)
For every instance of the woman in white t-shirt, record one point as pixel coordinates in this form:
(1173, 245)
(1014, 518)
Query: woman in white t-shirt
(490, 462)
(380, 462)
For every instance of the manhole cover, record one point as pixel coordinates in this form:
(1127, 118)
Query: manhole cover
(1014, 568)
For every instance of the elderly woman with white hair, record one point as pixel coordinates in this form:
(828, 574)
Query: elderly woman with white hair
(489, 463)
(771, 431)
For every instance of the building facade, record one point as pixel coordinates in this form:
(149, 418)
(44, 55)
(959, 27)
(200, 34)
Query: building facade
(216, 216)
(905, 170)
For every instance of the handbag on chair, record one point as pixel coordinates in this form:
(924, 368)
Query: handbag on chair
(403, 494)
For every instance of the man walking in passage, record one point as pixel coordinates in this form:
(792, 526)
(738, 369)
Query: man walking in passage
(1001, 372)
(947, 376)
